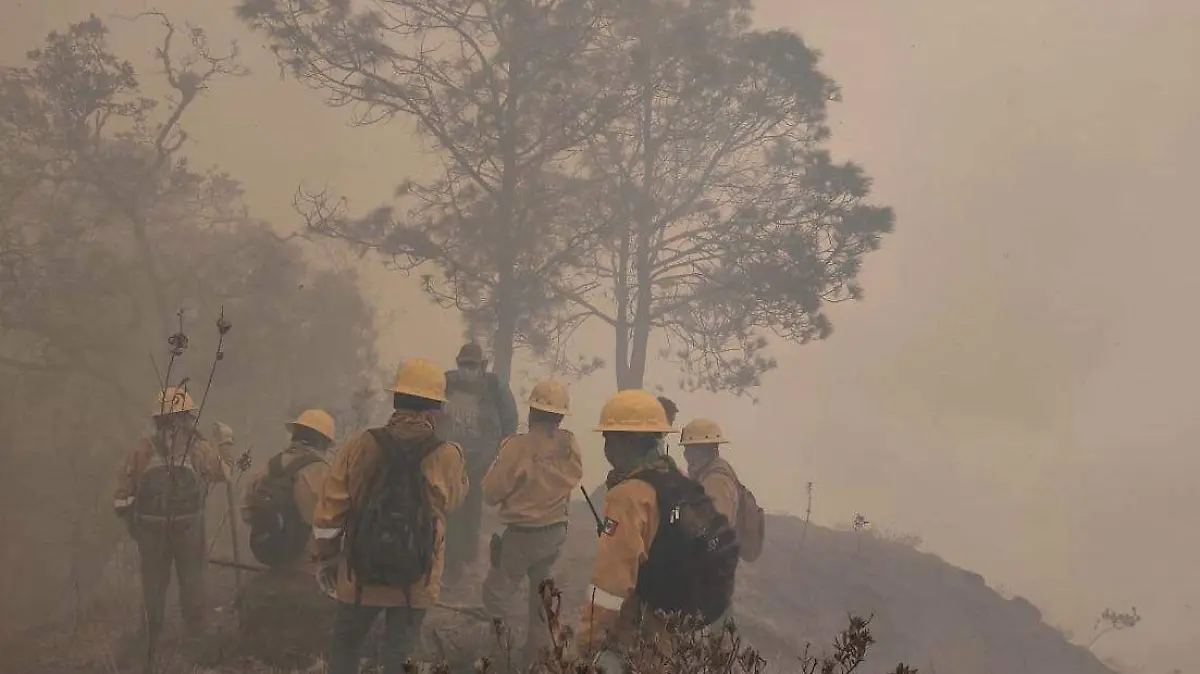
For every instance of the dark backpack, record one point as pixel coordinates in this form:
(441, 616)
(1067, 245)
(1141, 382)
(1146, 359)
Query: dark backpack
(392, 539)
(278, 532)
(692, 562)
(168, 489)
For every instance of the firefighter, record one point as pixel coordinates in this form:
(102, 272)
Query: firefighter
(160, 495)
(651, 507)
(278, 505)
(672, 410)
(531, 481)
(701, 440)
(480, 412)
(379, 524)
(280, 527)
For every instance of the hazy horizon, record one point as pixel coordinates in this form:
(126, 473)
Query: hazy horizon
(1016, 386)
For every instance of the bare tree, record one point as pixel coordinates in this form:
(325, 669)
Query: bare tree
(729, 220)
(86, 158)
(94, 185)
(502, 91)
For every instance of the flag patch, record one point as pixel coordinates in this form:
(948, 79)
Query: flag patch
(609, 527)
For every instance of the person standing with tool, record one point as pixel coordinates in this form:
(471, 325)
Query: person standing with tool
(531, 481)
(160, 495)
(380, 522)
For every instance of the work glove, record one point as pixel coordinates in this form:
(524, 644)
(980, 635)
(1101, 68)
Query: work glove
(222, 433)
(609, 662)
(327, 578)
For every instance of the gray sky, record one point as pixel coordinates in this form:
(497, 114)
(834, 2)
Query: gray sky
(1018, 386)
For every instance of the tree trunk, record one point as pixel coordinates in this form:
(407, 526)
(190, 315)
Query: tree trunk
(643, 253)
(504, 339)
(622, 329)
(636, 375)
(505, 300)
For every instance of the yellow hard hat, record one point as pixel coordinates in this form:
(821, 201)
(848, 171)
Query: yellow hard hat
(172, 400)
(318, 420)
(634, 411)
(550, 396)
(422, 379)
(702, 432)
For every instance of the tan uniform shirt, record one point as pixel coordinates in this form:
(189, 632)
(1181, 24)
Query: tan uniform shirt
(208, 463)
(721, 485)
(347, 484)
(631, 513)
(533, 477)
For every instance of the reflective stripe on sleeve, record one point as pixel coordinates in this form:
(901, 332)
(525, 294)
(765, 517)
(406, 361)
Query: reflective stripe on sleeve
(123, 502)
(325, 534)
(606, 600)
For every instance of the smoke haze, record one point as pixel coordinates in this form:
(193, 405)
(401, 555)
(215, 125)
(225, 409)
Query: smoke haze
(1018, 386)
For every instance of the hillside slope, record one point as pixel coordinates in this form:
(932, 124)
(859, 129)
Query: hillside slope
(927, 613)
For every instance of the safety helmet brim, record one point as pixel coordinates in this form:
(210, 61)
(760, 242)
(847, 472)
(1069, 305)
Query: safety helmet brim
(291, 427)
(620, 428)
(546, 407)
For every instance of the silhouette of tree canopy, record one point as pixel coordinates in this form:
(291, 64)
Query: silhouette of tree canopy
(106, 230)
(728, 220)
(502, 92)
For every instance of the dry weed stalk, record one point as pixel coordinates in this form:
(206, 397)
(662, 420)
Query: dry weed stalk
(685, 646)
(1110, 621)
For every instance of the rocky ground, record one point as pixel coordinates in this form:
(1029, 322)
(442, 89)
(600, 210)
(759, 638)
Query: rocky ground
(927, 613)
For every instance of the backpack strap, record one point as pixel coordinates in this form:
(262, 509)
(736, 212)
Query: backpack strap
(725, 469)
(669, 488)
(163, 452)
(275, 467)
(160, 446)
(392, 449)
(493, 388)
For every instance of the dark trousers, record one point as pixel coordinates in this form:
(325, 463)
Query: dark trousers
(462, 529)
(162, 546)
(352, 623)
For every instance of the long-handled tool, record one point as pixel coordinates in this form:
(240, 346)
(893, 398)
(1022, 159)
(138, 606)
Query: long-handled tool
(233, 535)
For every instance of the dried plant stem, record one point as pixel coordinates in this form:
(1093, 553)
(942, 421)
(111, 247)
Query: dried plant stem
(807, 515)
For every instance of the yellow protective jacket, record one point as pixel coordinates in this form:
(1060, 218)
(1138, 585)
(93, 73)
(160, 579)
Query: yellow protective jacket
(348, 484)
(721, 484)
(533, 476)
(631, 523)
(210, 465)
